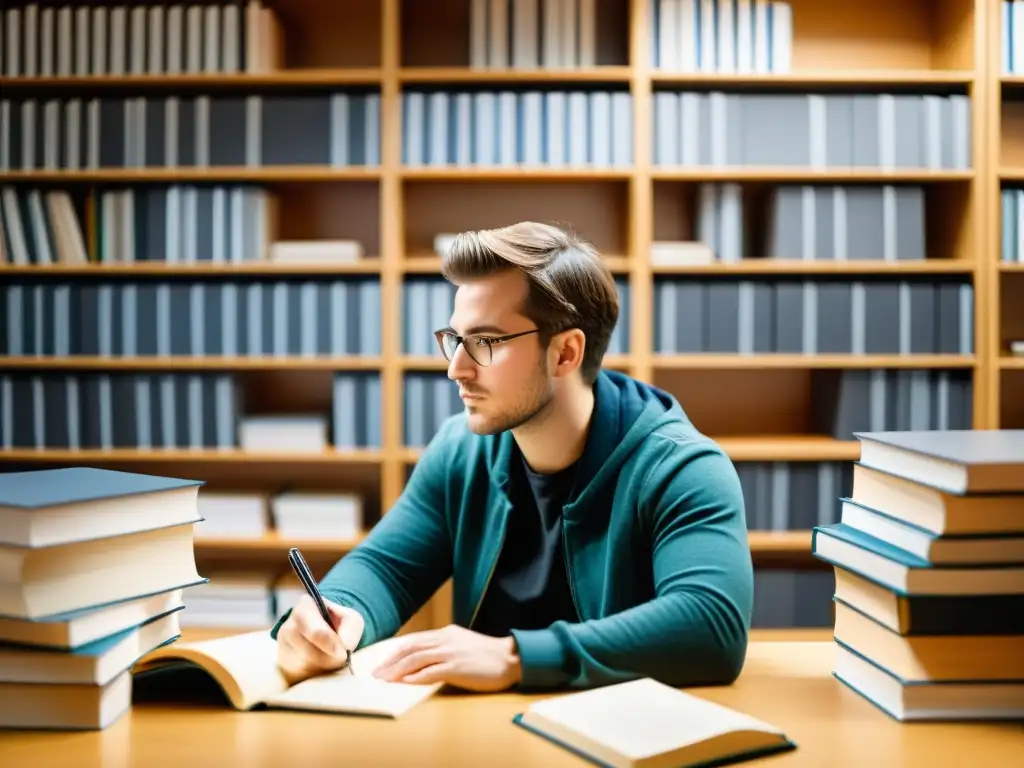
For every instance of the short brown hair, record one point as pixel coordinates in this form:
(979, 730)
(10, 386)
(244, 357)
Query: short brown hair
(569, 286)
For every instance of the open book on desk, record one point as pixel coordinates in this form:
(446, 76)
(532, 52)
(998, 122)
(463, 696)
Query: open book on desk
(245, 668)
(647, 724)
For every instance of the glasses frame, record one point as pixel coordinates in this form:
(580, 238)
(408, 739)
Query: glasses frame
(491, 341)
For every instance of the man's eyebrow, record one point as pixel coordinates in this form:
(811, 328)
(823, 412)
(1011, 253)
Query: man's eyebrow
(493, 329)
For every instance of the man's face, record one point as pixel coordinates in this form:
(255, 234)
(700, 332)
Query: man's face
(517, 384)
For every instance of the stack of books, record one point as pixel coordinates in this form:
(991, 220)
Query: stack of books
(929, 571)
(93, 566)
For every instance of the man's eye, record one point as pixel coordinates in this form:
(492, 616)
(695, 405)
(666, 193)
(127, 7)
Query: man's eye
(481, 341)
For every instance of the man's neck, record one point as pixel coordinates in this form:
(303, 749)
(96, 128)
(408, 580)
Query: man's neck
(556, 438)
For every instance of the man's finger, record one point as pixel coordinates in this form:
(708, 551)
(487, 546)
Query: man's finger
(413, 643)
(313, 628)
(299, 651)
(435, 673)
(412, 663)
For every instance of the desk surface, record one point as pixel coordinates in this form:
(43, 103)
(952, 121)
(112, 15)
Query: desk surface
(786, 683)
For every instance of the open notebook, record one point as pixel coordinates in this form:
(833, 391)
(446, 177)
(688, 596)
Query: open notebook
(245, 667)
(646, 724)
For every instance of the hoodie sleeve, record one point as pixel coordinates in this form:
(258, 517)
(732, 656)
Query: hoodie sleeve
(695, 629)
(404, 559)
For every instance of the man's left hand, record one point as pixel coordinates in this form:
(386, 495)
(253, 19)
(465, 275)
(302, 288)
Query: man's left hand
(455, 656)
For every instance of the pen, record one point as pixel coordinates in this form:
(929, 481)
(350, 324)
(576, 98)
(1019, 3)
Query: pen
(298, 563)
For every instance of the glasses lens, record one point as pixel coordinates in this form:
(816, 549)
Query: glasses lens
(478, 350)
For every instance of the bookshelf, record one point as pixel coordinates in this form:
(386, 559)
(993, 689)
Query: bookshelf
(1006, 158)
(770, 406)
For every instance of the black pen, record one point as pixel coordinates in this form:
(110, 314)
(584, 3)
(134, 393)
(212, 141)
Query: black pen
(298, 563)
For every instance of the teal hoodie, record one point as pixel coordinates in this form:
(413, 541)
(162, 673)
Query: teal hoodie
(655, 543)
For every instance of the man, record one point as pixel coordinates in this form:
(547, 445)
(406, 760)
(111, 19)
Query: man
(592, 533)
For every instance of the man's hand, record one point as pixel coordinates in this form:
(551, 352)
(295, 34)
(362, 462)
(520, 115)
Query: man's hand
(455, 656)
(306, 646)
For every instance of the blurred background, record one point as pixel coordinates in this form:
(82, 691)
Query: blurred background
(222, 225)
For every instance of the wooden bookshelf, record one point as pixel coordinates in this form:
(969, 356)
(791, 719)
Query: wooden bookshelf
(1004, 134)
(757, 406)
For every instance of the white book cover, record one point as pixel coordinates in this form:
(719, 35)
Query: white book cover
(118, 40)
(156, 40)
(65, 41)
(211, 44)
(525, 37)
(175, 39)
(669, 38)
(782, 37)
(99, 40)
(498, 50)
(726, 19)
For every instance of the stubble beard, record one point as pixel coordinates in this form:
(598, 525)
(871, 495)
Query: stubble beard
(533, 405)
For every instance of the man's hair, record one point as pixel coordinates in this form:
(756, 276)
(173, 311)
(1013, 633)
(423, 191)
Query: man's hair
(568, 284)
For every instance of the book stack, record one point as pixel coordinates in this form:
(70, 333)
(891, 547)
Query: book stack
(93, 566)
(929, 574)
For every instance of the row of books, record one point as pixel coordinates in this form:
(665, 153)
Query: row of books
(505, 128)
(859, 400)
(533, 34)
(1012, 221)
(337, 317)
(103, 411)
(178, 224)
(166, 318)
(102, 561)
(295, 514)
(813, 316)
(821, 222)
(332, 129)
(928, 558)
(232, 224)
(721, 36)
(817, 130)
(146, 410)
(579, 127)
(792, 495)
(1011, 35)
(237, 601)
(61, 40)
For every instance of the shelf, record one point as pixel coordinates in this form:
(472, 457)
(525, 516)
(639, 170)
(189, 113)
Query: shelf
(1011, 267)
(186, 363)
(182, 174)
(189, 457)
(273, 543)
(765, 266)
(805, 174)
(760, 448)
(780, 542)
(453, 75)
(368, 265)
(816, 78)
(289, 78)
(712, 360)
(513, 173)
(1012, 362)
(430, 264)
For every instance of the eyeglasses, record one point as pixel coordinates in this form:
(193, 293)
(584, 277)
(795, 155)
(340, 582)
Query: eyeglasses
(478, 346)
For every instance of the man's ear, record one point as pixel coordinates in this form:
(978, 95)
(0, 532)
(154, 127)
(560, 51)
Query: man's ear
(569, 346)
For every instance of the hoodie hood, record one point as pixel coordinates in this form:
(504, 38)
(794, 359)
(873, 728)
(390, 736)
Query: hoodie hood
(626, 411)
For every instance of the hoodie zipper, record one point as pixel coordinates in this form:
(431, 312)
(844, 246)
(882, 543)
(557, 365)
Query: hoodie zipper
(568, 570)
(490, 574)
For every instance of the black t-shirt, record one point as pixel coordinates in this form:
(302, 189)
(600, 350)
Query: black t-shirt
(529, 588)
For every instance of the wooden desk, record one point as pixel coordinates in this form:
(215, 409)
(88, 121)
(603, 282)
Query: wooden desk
(786, 683)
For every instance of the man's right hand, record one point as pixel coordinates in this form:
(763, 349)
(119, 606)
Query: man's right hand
(306, 646)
